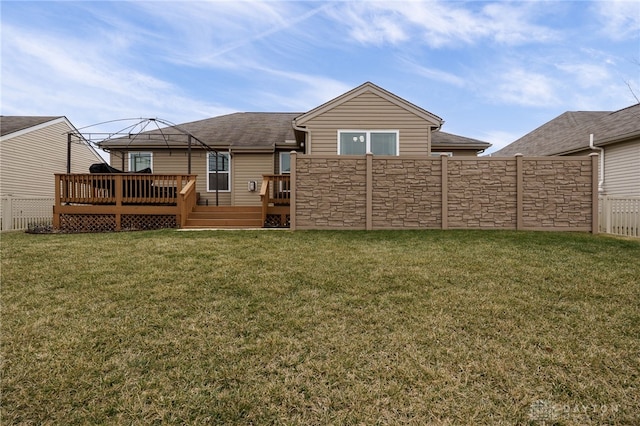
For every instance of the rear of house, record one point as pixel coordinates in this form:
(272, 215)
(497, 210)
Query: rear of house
(367, 159)
(237, 150)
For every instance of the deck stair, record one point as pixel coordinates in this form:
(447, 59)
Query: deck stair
(220, 217)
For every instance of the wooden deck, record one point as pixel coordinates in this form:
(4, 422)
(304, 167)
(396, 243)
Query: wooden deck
(114, 202)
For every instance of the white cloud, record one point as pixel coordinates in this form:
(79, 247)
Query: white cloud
(222, 34)
(439, 24)
(310, 91)
(434, 74)
(585, 75)
(521, 87)
(48, 75)
(620, 19)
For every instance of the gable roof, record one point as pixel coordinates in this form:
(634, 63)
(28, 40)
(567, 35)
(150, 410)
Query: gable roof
(240, 130)
(618, 126)
(570, 132)
(263, 131)
(14, 123)
(370, 87)
(444, 140)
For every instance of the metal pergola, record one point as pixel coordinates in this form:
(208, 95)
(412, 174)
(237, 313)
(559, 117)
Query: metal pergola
(149, 129)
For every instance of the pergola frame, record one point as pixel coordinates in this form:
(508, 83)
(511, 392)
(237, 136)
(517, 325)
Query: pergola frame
(160, 134)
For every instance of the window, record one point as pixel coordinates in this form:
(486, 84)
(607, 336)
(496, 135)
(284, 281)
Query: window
(140, 161)
(285, 162)
(359, 142)
(221, 180)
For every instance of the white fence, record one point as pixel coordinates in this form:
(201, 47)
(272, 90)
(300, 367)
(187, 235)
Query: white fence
(620, 215)
(22, 213)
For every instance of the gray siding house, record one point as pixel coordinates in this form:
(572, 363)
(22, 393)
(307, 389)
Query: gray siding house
(616, 138)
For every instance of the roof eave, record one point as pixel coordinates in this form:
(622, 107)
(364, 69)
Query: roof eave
(619, 138)
(478, 146)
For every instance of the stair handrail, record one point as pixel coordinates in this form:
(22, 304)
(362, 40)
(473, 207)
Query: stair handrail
(264, 196)
(186, 201)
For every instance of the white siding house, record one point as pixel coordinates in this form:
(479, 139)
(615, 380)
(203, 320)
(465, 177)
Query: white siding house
(32, 149)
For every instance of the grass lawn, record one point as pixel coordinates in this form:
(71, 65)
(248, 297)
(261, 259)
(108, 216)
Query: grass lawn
(275, 327)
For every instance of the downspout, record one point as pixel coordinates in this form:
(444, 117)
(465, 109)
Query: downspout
(304, 130)
(597, 148)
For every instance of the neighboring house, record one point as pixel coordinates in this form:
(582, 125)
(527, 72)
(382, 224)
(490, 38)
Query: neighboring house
(616, 138)
(32, 149)
(250, 145)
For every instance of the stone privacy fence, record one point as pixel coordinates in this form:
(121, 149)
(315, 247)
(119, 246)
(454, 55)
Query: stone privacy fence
(382, 192)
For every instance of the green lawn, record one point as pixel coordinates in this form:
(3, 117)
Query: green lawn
(275, 327)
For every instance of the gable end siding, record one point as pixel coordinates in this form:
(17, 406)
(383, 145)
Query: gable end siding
(369, 111)
(29, 160)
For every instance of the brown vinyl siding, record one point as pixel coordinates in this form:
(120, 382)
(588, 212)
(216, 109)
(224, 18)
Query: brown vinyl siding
(177, 162)
(245, 168)
(368, 111)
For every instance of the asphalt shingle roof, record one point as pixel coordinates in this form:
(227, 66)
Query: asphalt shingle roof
(570, 132)
(445, 139)
(14, 123)
(239, 130)
(251, 130)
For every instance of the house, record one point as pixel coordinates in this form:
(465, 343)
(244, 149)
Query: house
(616, 138)
(367, 159)
(235, 151)
(32, 149)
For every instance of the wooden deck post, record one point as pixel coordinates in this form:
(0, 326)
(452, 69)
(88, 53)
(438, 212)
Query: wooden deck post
(118, 193)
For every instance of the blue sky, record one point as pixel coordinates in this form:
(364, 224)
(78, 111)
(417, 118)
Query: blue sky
(493, 71)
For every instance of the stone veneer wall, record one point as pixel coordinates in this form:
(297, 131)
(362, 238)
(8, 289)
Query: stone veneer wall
(331, 192)
(376, 192)
(482, 193)
(558, 193)
(406, 193)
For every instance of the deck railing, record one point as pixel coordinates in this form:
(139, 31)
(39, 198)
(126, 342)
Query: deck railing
(620, 215)
(119, 188)
(275, 194)
(105, 200)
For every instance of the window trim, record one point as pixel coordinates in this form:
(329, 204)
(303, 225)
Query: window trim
(209, 172)
(368, 138)
(280, 162)
(132, 153)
